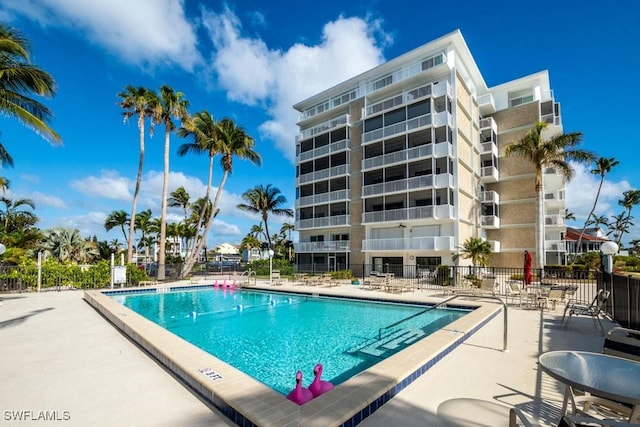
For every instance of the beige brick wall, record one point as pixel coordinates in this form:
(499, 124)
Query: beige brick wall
(517, 213)
(522, 115)
(463, 95)
(515, 189)
(464, 125)
(466, 207)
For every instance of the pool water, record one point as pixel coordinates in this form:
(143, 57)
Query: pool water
(270, 336)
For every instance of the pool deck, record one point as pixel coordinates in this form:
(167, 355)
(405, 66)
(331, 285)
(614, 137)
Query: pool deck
(59, 358)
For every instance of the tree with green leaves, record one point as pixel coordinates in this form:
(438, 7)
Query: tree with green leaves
(180, 198)
(265, 200)
(119, 218)
(14, 216)
(171, 106)
(143, 224)
(234, 143)
(19, 80)
(136, 102)
(630, 198)
(603, 167)
(66, 244)
(475, 249)
(556, 151)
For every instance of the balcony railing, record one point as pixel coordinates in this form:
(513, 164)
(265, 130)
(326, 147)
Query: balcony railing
(489, 173)
(488, 123)
(490, 197)
(327, 221)
(554, 196)
(401, 185)
(486, 103)
(395, 129)
(325, 126)
(330, 104)
(331, 246)
(323, 174)
(555, 246)
(418, 212)
(490, 221)
(554, 220)
(334, 147)
(318, 199)
(406, 72)
(402, 156)
(436, 243)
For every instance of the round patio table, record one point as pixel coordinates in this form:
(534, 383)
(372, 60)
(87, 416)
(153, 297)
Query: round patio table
(613, 378)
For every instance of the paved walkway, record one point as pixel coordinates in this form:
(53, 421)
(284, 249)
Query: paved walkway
(58, 355)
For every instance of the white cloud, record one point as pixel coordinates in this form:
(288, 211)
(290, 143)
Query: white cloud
(143, 32)
(254, 74)
(109, 185)
(43, 199)
(88, 224)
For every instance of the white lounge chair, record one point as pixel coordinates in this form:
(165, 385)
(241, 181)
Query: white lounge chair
(623, 342)
(592, 310)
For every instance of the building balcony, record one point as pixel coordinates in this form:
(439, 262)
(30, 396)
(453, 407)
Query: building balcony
(489, 174)
(443, 180)
(324, 198)
(398, 157)
(324, 127)
(396, 129)
(552, 178)
(554, 220)
(332, 246)
(554, 199)
(443, 149)
(442, 212)
(488, 123)
(397, 100)
(437, 243)
(494, 245)
(555, 246)
(490, 197)
(490, 221)
(323, 222)
(323, 174)
(328, 105)
(486, 104)
(334, 147)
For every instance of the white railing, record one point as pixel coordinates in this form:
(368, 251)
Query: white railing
(487, 100)
(554, 196)
(325, 126)
(318, 199)
(330, 104)
(413, 183)
(489, 147)
(443, 180)
(557, 220)
(391, 130)
(406, 72)
(327, 221)
(435, 243)
(444, 212)
(442, 118)
(489, 172)
(490, 221)
(489, 197)
(321, 151)
(397, 100)
(323, 174)
(330, 246)
(443, 149)
(555, 246)
(418, 212)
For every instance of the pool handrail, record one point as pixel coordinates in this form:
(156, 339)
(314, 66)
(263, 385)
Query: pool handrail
(504, 305)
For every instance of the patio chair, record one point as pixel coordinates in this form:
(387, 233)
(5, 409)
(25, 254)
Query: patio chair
(518, 418)
(514, 292)
(488, 285)
(592, 310)
(555, 295)
(623, 342)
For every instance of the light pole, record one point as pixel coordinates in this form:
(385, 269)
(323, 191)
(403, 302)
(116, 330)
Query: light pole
(608, 249)
(270, 266)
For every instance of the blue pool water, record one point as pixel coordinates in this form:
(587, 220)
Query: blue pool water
(270, 336)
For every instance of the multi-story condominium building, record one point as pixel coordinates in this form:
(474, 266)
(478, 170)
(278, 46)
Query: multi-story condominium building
(402, 164)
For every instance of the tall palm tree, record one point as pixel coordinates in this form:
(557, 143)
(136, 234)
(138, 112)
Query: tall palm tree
(136, 102)
(67, 244)
(143, 223)
(629, 200)
(5, 157)
(286, 230)
(180, 198)
(19, 79)
(234, 142)
(171, 105)
(14, 215)
(265, 200)
(257, 230)
(555, 151)
(598, 220)
(118, 218)
(4, 184)
(603, 167)
(620, 225)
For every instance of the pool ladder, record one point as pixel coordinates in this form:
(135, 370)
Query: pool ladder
(441, 303)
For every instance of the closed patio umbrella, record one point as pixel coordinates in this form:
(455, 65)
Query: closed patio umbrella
(528, 277)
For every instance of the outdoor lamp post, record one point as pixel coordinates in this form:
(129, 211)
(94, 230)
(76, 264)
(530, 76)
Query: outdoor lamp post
(270, 266)
(608, 249)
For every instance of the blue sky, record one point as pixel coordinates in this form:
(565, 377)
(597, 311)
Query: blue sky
(252, 60)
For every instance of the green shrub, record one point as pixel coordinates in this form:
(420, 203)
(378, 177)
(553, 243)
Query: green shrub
(341, 274)
(261, 267)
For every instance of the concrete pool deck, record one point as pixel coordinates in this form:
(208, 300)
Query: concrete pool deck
(61, 357)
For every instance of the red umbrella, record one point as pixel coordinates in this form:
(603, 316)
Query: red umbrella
(528, 277)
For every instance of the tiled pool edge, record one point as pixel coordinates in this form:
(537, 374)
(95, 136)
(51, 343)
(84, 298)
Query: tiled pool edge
(248, 402)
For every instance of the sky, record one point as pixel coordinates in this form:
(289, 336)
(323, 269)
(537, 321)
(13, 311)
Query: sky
(252, 60)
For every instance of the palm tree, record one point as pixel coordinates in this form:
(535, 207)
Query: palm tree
(66, 244)
(118, 218)
(556, 151)
(603, 167)
(629, 200)
(14, 216)
(620, 225)
(5, 157)
(265, 200)
(171, 105)
(598, 220)
(569, 216)
(4, 184)
(234, 142)
(143, 223)
(286, 230)
(257, 230)
(19, 79)
(138, 102)
(180, 198)
(475, 249)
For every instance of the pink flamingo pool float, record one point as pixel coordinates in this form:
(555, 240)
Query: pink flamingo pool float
(299, 394)
(319, 386)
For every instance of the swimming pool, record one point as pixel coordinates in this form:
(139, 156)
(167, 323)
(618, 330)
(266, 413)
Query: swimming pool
(248, 402)
(271, 336)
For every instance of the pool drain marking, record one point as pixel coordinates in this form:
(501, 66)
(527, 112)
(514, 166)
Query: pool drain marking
(210, 373)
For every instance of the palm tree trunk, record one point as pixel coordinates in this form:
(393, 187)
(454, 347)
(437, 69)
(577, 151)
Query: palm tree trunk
(196, 240)
(539, 229)
(163, 213)
(188, 265)
(136, 192)
(584, 228)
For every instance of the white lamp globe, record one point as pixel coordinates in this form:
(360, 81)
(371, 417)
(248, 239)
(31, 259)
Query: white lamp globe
(3, 248)
(271, 253)
(609, 248)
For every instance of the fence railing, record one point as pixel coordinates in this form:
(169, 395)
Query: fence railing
(624, 301)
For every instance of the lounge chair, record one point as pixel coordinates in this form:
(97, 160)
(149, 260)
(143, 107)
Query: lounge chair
(555, 295)
(623, 342)
(518, 418)
(488, 285)
(592, 310)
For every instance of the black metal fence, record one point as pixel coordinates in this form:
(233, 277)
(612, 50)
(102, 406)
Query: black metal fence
(624, 301)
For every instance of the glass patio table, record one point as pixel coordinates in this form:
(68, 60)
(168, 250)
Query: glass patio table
(608, 378)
